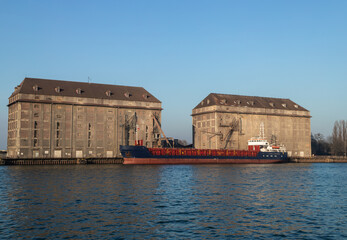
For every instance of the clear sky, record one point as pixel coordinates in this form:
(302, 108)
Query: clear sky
(180, 51)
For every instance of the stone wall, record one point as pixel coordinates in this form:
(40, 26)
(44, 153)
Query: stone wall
(213, 124)
(63, 127)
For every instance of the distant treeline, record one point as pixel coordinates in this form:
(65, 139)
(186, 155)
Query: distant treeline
(336, 144)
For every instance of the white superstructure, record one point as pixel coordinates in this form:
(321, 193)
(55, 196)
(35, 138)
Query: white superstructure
(261, 144)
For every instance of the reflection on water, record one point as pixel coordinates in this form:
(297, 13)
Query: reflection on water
(182, 201)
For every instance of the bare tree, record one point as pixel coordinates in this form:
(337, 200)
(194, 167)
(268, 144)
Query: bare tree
(339, 138)
(320, 146)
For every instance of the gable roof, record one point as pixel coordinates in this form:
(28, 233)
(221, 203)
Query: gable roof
(249, 101)
(83, 90)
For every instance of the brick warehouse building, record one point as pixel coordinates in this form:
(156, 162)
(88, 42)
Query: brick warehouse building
(63, 119)
(229, 121)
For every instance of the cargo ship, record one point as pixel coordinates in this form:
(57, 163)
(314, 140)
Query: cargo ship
(259, 152)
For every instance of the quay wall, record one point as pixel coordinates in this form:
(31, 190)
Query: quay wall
(319, 159)
(69, 161)
(59, 161)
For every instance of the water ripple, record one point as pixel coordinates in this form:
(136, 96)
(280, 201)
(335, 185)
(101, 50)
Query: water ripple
(290, 201)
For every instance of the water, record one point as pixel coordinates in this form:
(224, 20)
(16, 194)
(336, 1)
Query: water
(285, 201)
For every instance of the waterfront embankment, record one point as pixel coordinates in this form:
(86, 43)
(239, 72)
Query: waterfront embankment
(73, 161)
(59, 161)
(319, 159)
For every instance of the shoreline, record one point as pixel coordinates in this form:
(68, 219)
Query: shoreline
(319, 159)
(59, 161)
(81, 161)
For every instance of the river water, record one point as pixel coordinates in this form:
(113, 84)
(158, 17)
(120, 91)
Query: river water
(283, 201)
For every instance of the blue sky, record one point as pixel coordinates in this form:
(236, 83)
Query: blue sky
(181, 51)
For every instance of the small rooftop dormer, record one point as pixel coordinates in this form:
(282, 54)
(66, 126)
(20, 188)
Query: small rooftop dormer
(58, 89)
(127, 94)
(108, 93)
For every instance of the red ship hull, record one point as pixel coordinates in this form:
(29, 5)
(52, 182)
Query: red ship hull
(198, 161)
(143, 155)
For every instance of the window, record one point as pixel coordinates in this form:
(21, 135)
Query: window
(89, 134)
(146, 132)
(240, 125)
(223, 101)
(108, 93)
(57, 89)
(78, 91)
(58, 135)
